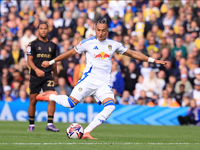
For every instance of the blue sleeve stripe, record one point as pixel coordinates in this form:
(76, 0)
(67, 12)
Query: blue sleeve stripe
(91, 38)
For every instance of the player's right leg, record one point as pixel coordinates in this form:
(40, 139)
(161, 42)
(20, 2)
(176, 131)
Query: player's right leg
(31, 111)
(63, 100)
(79, 92)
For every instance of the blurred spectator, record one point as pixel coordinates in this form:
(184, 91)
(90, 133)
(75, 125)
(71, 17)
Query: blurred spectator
(195, 94)
(53, 32)
(142, 99)
(131, 77)
(71, 6)
(17, 54)
(181, 34)
(69, 21)
(168, 20)
(30, 4)
(80, 26)
(129, 14)
(184, 80)
(185, 100)
(164, 45)
(91, 30)
(22, 97)
(79, 68)
(152, 45)
(57, 21)
(63, 86)
(104, 15)
(15, 89)
(179, 96)
(127, 99)
(81, 7)
(161, 78)
(189, 44)
(6, 96)
(165, 100)
(145, 70)
(117, 81)
(26, 10)
(151, 84)
(5, 58)
(139, 86)
(170, 90)
(6, 5)
(140, 27)
(92, 12)
(27, 38)
(151, 9)
(116, 6)
(179, 47)
(193, 116)
(187, 23)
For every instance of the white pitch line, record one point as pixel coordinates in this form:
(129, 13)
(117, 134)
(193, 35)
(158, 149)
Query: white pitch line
(96, 143)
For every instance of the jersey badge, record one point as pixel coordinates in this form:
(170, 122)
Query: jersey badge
(49, 49)
(95, 48)
(80, 89)
(39, 48)
(110, 47)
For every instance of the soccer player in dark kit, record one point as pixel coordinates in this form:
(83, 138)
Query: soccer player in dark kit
(38, 51)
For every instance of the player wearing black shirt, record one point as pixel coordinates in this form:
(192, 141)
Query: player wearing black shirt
(38, 51)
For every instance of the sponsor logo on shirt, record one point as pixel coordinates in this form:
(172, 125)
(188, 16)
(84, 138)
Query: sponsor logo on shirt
(102, 55)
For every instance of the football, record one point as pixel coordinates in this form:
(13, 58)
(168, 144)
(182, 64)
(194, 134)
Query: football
(75, 131)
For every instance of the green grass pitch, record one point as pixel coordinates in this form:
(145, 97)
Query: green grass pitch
(14, 136)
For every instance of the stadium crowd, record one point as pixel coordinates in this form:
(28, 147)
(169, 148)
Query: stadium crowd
(162, 29)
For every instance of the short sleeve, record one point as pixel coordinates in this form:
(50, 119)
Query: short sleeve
(79, 48)
(121, 49)
(30, 49)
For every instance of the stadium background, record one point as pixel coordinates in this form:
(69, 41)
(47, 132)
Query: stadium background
(161, 29)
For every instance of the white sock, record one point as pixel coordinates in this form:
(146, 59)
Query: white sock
(49, 124)
(63, 100)
(33, 125)
(100, 118)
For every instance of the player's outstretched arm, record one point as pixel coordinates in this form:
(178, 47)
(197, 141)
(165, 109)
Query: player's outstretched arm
(61, 57)
(142, 57)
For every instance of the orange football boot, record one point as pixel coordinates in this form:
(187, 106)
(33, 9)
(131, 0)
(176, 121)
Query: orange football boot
(45, 95)
(88, 136)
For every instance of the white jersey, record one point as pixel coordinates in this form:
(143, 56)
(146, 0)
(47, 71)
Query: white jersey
(98, 57)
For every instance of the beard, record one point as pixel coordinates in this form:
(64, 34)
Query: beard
(43, 37)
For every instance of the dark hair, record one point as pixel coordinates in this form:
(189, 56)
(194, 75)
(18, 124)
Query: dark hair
(102, 21)
(43, 23)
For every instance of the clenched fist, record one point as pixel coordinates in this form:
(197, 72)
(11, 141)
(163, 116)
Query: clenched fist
(45, 64)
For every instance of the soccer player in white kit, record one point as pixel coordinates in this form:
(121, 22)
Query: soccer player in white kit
(96, 77)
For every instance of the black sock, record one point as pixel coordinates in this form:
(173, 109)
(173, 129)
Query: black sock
(50, 119)
(31, 120)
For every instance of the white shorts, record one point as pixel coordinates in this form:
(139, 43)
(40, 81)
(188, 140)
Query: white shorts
(99, 90)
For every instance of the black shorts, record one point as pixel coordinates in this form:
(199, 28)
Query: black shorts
(45, 83)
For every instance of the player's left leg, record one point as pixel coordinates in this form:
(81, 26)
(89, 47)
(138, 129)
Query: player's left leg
(31, 111)
(100, 118)
(50, 112)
